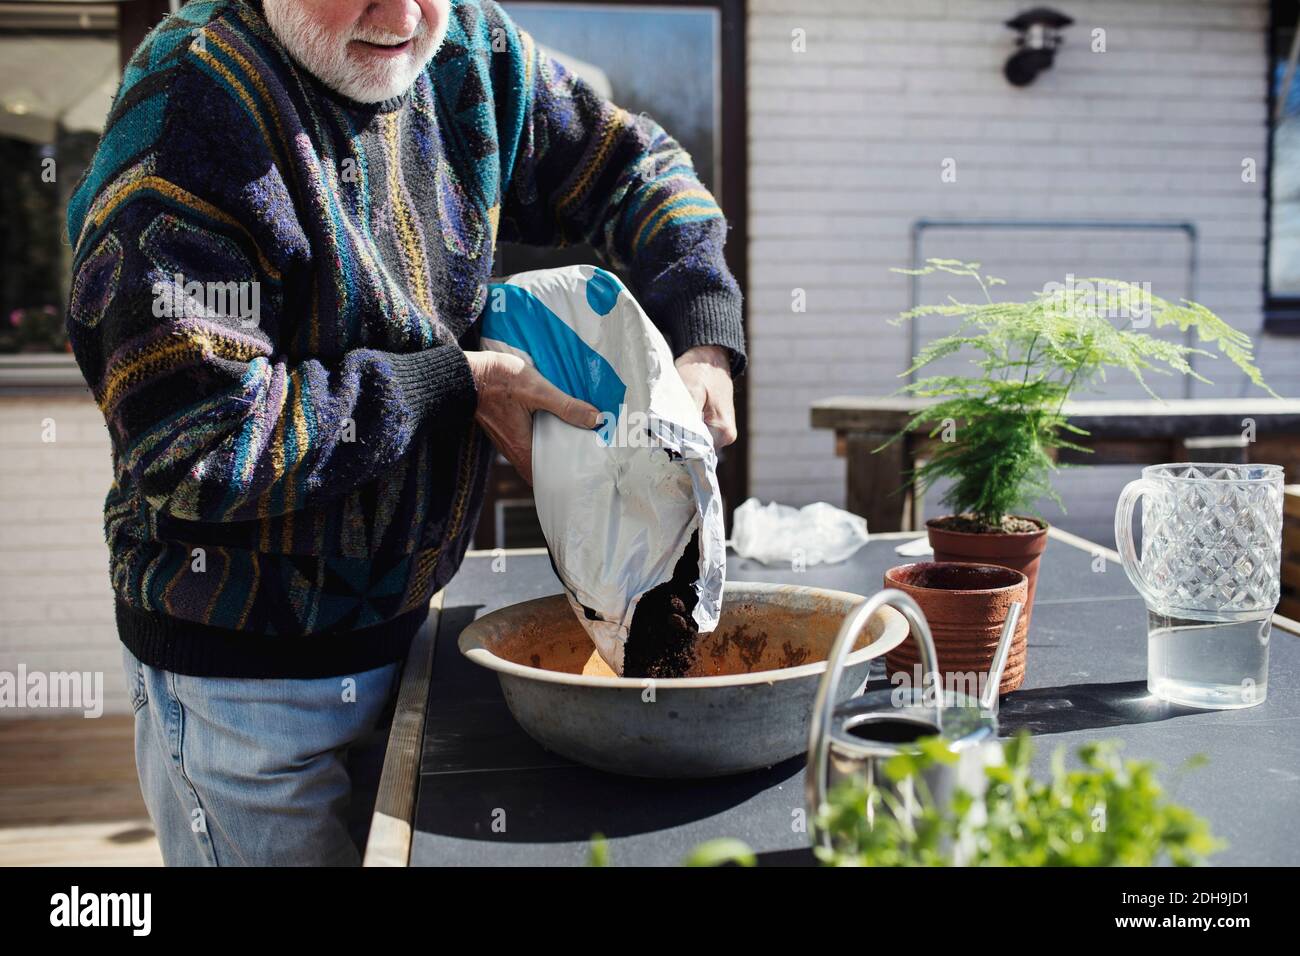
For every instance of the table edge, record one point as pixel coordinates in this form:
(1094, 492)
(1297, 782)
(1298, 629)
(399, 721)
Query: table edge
(392, 825)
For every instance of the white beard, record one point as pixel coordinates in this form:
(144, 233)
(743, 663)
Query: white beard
(326, 55)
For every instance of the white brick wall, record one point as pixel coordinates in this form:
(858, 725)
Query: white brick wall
(846, 145)
(56, 605)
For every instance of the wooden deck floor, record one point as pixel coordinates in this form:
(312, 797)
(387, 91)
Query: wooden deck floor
(69, 794)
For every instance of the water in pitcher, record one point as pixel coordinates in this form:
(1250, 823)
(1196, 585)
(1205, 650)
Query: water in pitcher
(1208, 663)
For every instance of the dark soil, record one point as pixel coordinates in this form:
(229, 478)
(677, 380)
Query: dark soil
(1011, 524)
(944, 576)
(661, 641)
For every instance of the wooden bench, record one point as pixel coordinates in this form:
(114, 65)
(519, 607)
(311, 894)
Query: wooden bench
(1121, 433)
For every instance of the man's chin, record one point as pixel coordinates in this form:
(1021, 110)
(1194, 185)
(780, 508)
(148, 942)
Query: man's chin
(381, 89)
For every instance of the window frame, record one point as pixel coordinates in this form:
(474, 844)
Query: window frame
(1281, 312)
(38, 374)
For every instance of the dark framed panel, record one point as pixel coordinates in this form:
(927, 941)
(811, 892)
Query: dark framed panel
(1282, 182)
(135, 19)
(61, 67)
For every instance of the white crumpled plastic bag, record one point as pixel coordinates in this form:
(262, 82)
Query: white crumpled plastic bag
(779, 534)
(618, 504)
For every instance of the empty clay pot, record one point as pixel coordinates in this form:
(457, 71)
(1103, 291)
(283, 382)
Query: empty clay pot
(1019, 552)
(965, 605)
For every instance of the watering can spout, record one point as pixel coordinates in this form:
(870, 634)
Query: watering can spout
(989, 699)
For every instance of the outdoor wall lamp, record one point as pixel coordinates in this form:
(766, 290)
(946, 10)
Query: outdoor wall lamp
(1040, 35)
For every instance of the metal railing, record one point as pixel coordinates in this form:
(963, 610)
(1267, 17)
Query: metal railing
(920, 226)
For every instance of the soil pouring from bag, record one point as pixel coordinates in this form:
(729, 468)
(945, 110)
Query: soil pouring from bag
(661, 641)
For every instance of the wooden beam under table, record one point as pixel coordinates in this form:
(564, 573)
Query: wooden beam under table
(877, 479)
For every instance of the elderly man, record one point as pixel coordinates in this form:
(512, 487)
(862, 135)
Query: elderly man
(282, 246)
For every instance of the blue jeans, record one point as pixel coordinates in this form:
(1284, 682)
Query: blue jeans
(252, 772)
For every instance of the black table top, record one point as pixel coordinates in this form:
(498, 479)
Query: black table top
(490, 795)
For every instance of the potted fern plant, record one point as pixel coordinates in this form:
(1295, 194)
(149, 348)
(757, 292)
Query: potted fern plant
(999, 431)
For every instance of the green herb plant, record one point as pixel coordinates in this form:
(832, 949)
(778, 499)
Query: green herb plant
(1105, 812)
(1031, 357)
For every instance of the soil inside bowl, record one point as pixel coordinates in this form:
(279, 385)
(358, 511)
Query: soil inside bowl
(970, 524)
(661, 640)
(756, 632)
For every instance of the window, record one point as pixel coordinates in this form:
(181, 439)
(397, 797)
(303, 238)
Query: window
(1282, 262)
(660, 60)
(58, 74)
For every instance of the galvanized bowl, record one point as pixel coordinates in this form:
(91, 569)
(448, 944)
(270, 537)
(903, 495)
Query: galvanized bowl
(746, 705)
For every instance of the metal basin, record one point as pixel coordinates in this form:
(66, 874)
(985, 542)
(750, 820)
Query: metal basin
(746, 705)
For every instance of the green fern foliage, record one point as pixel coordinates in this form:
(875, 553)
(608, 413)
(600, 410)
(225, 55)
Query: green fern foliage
(1000, 430)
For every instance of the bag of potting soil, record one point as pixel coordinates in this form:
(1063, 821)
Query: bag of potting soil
(630, 510)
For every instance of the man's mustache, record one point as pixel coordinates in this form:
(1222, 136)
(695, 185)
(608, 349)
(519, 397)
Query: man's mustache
(384, 38)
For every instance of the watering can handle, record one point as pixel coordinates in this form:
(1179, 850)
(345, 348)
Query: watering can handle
(828, 691)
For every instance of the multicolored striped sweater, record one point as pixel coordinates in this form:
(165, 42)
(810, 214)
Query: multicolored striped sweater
(273, 290)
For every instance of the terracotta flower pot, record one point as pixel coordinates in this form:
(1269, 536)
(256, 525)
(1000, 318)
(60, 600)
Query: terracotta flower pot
(1019, 552)
(965, 605)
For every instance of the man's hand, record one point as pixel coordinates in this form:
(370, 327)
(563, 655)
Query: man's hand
(509, 391)
(706, 370)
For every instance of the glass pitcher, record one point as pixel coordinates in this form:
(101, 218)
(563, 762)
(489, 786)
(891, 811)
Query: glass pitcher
(1210, 573)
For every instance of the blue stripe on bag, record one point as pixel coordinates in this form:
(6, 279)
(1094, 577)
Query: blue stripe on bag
(521, 320)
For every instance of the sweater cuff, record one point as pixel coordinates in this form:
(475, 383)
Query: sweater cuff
(436, 384)
(712, 318)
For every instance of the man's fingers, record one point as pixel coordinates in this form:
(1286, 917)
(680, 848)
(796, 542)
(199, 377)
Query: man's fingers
(722, 426)
(518, 449)
(699, 393)
(723, 432)
(512, 434)
(572, 410)
(518, 454)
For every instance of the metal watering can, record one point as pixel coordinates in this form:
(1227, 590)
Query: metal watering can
(858, 737)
